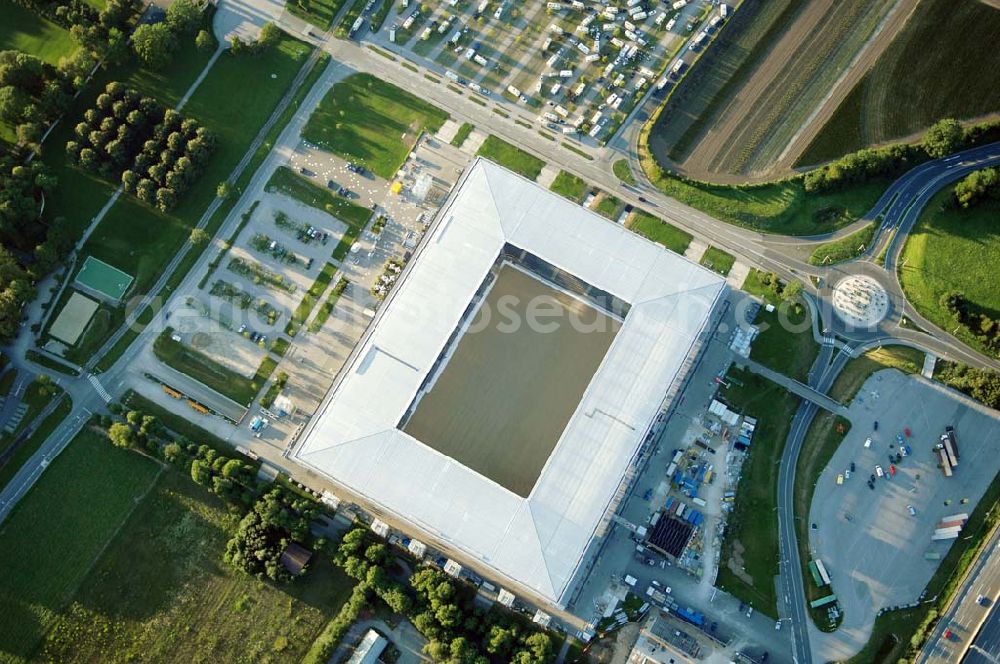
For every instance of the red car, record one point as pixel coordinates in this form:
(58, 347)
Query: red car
(892, 469)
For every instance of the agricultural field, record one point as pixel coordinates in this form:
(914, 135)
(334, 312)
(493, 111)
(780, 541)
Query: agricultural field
(945, 237)
(912, 86)
(734, 113)
(548, 61)
(362, 119)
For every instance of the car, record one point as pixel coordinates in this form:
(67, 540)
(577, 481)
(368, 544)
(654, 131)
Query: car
(642, 199)
(879, 471)
(847, 474)
(852, 466)
(983, 600)
(875, 427)
(840, 479)
(892, 470)
(749, 612)
(868, 441)
(872, 478)
(871, 485)
(909, 508)
(904, 450)
(892, 459)
(777, 626)
(713, 626)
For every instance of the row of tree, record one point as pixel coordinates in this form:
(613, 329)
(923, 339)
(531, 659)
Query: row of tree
(983, 386)
(156, 152)
(33, 94)
(977, 187)
(155, 43)
(941, 139)
(982, 326)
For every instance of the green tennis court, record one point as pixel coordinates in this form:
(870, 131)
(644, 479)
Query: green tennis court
(105, 281)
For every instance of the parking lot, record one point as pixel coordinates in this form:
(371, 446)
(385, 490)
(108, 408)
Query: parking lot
(872, 546)
(579, 70)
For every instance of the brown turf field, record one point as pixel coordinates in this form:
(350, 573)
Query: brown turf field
(505, 396)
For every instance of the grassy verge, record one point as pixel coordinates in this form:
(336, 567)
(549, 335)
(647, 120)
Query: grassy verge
(660, 231)
(364, 119)
(290, 183)
(822, 439)
(856, 372)
(52, 538)
(577, 151)
(37, 395)
(309, 300)
(786, 343)
(49, 363)
(35, 440)
(115, 352)
(318, 12)
(623, 172)
(512, 157)
(718, 260)
(462, 134)
(754, 522)
(844, 249)
(608, 206)
(568, 185)
(953, 250)
(207, 371)
(328, 306)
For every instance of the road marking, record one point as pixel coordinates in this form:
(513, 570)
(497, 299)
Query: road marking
(103, 393)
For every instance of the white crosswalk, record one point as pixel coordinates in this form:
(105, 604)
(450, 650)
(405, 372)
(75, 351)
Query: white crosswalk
(100, 388)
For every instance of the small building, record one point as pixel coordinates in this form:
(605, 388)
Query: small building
(294, 558)
(370, 648)
(452, 568)
(506, 597)
(380, 528)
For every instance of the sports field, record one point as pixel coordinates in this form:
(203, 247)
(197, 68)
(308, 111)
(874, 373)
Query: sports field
(73, 319)
(107, 280)
(505, 396)
(936, 67)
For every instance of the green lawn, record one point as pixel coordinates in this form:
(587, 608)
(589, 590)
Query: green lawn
(511, 157)
(856, 372)
(367, 120)
(911, 86)
(608, 206)
(568, 185)
(206, 370)
(948, 250)
(53, 537)
(309, 300)
(328, 306)
(161, 593)
(777, 207)
(754, 522)
(623, 172)
(318, 12)
(844, 249)
(35, 440)
(290, 183)
(660, 231)
(718, 260)
(786, 343)
(754, 285)
(462, 134)
(24, 30)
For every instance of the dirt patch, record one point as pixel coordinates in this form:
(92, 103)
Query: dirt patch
(735, 563)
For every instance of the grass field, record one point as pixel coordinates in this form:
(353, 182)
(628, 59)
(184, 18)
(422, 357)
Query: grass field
(512, 157)
(856, 372)
(717, 260)
(161, 593)
(23, 30)
(318, 12)
(290, 183)
(608, 206)
(660, 231)
(950, 249)
(754, 521)
(207, 371)
(52, 538)
(912, 86)
(367, 120)
(570, 186)
(310, 299)
(777, 207)
(844, 249)
(786, 343)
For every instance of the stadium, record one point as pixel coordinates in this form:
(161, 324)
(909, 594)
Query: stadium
(500, 398)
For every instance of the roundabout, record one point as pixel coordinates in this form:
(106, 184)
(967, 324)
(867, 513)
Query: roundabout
(860, 301)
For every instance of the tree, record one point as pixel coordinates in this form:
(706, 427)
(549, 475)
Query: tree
(224, 190)
(203, 41)
(269, 36)
(121, 435)
(977, 186)
(183, 16)
(154, 44)
(173, 452)
(943, 138)
(13, 102)
(201, 472)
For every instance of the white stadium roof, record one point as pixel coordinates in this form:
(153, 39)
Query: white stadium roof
(536, 541)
